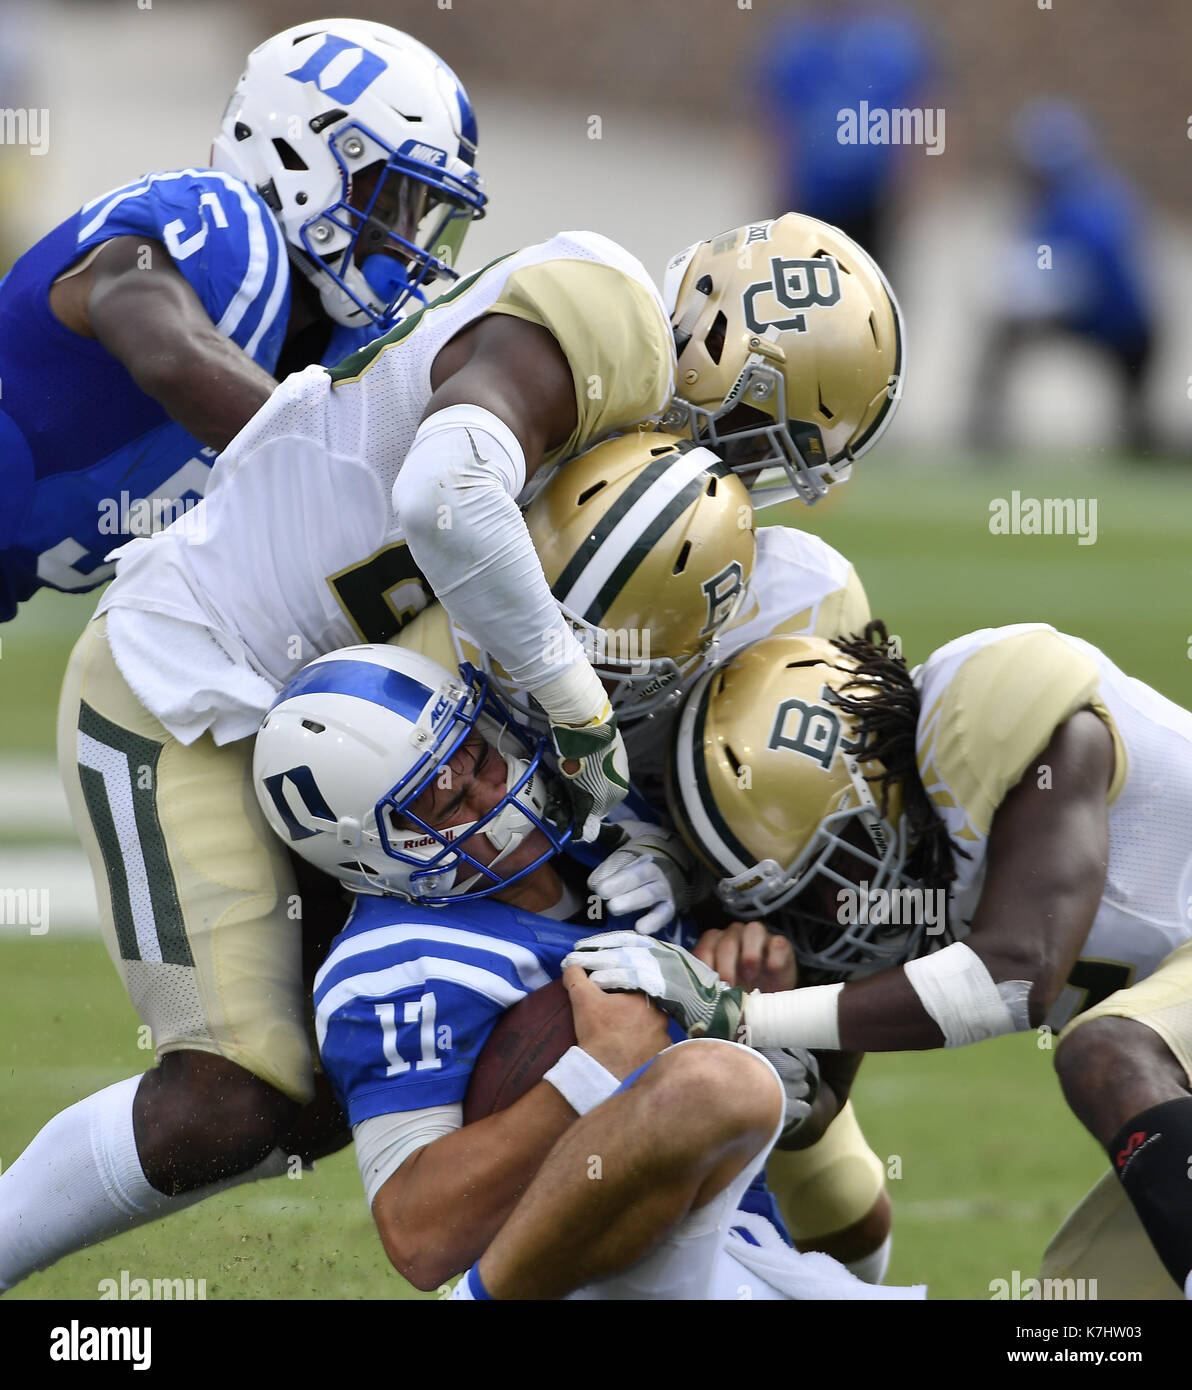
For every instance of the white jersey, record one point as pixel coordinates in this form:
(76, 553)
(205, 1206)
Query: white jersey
(799, 585)
(991, 702)
(296, 550)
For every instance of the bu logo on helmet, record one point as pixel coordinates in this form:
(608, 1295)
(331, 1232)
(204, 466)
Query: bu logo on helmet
(794, 285)
(353, 69)
(721, 592)
(817, 735)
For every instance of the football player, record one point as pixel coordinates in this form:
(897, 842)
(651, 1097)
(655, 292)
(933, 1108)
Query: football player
(415, 789)
(650, 550)
(139, 336)
(1022, 777)
(352, 499)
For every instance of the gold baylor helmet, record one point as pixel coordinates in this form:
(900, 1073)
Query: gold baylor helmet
(763, 787)
(647, 542)
(790, 353)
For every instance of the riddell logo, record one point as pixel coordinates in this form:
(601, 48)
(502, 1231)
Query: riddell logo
(1134, 1146)
(438, 839)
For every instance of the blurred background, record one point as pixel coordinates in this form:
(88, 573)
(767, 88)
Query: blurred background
(1038, 238)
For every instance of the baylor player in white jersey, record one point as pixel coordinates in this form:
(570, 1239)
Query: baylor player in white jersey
(336, 514)
(1049, 796)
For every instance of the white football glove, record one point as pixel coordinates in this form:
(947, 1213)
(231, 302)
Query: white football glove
(653, 870)
(690, 991)
(602, 778)
(799, 1072)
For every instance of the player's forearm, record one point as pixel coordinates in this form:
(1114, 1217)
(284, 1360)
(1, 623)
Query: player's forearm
(211, 390)
(949, 998)
(880, 1014)
(454, 500)
(440, 1210)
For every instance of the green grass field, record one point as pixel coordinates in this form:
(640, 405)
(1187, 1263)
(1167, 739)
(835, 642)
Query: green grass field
(984, 1158)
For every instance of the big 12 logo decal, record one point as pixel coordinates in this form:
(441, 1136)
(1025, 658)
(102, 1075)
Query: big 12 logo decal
(794, 285)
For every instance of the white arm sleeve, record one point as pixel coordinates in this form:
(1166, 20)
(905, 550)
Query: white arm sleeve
(384, 1142)
(454, 500)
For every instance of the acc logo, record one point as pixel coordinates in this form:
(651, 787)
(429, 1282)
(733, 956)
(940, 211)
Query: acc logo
(794, 285)
(442, 708)
(816, 736)
(721, 593)
(340, 68)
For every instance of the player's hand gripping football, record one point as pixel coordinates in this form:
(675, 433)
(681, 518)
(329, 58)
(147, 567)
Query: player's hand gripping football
(595, 767)
(694, 996)
(653, 873)
(621, 1031)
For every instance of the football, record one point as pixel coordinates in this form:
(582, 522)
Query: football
(527, 1041)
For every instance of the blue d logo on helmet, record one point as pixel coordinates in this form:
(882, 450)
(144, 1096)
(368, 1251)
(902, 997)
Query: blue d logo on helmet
(350, 79)
(355, 741)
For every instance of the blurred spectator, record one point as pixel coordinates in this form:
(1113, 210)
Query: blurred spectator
(1078, 266)
(816, 64)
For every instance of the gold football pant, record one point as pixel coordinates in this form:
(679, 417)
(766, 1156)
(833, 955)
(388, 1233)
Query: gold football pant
(831, 1185)
(197, 898)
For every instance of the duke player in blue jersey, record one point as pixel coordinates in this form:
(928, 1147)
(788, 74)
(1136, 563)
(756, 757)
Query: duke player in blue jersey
(413, 787)
(140, 335)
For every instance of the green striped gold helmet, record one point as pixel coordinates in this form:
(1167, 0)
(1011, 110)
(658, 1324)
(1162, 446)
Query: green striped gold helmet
(647, 542)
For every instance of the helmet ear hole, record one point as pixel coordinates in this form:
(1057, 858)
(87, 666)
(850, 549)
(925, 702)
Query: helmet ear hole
(590, 492)
(714, 342)
(289, 156)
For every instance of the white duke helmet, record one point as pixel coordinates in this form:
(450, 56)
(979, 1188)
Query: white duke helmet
(316, 107)
(352, 742)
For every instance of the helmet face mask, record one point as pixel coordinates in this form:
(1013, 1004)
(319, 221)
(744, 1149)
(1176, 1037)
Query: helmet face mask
(855, 854)
(765, 787)
(324, 103)
(791, 320)
(414, 218)
(353, 757)
(766, 442)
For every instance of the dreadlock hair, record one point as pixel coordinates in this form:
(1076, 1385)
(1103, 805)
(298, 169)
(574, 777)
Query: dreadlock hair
(886, 723)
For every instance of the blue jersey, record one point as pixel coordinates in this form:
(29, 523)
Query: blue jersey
(408, 995)
(86, 457)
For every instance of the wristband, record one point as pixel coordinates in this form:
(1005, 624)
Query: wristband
(581, 1080)
(808, 1017)
(957, 991)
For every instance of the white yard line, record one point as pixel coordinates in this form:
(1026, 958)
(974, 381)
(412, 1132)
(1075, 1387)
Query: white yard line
(32, 798)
